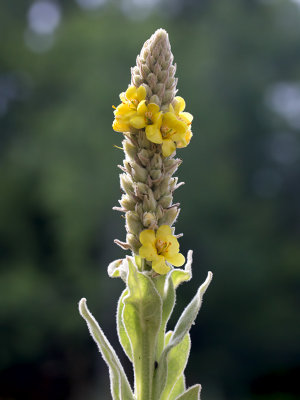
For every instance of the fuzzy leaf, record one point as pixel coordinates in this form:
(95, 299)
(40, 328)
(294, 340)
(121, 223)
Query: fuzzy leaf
(193, 393)
(182, 327)
(142, 317)
(183, 275)
(178, 388)
(123, 337)
(119, 386)
(165, 287)
(176, 363)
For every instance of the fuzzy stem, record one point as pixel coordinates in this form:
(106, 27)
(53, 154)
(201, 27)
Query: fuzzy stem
(144, 368)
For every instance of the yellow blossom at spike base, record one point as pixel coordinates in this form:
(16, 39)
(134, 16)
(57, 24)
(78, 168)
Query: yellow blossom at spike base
(127, 110)
(160, 247)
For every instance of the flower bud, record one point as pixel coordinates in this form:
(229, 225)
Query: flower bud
(143, 156)
(133, 223)
(173, 183)
(126, 183)
(129, 149)
(127, 166)
(169, 216)
(156, 161)
(152, 80)
(149, 202)
(141, 189)
(139, 173)
(171, 165)
(155, 99)
(159, 212)
(166, 200)
(155, 174)
(164, 186)
(133, 242)
(149, 220)
(127, 202)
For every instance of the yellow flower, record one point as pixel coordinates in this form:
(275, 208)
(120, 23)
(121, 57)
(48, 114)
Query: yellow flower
(187, 118)
(160, 247)
(172, 131)
(149, 117)
(128, 108)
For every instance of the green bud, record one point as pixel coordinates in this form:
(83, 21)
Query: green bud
(173, 183)
(164, 186)
(149, 220)
(171, 165)
(141, 189)
(166, 200)
(159, 212)
(126, 183)
(149, 202)
(143, 156)
(155, 174)
(169, 216)
(139, 210)
(155, 99)
(139, 173)
(156, 161)
(133, 223)
(130, 149)
(127, 202)
(133, 242)
(127, 166)
(152, 80)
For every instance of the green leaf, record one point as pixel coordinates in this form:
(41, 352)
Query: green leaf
(178, 388)
(123, 337)
(165, 287)
(182, 327)
(183, 275)
(142, 317)
(176, 363)
(193, 393)
(118, 269)
(119, 386)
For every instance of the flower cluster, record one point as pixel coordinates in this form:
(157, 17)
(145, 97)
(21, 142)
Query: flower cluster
(171, 129)
(160, 247)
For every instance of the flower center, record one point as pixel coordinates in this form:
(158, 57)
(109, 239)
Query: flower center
(148, 116)
(161, 246)
(166, 131)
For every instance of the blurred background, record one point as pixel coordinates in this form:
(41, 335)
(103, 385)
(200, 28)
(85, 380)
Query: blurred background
(62, 66)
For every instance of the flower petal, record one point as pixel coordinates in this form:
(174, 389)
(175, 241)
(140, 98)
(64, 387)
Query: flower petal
(141, 93)
(147, 236)
(138, 122)
(186, 116)
(120, 126)
(153, 134)
(173, 247)
(142, 108)
(163, 231)
(168, 147)
(131, 92)
(177, 260)
(148, 251)
(153, 108)
(160, 266)
(179, 104)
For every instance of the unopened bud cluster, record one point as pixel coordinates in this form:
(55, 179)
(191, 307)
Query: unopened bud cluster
(155, 70)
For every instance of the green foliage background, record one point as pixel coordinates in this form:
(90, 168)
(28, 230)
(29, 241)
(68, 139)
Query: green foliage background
(240, 205)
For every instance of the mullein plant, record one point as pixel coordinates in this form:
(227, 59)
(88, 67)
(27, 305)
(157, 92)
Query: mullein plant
(154, 124)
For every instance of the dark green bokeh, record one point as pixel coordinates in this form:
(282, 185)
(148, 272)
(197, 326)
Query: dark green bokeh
(239, 71)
